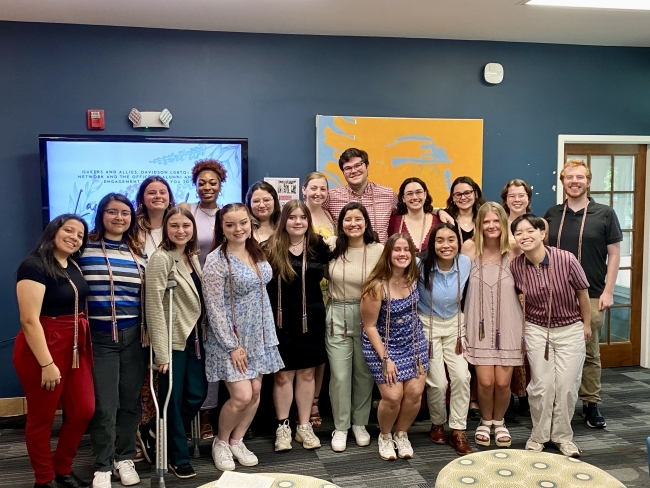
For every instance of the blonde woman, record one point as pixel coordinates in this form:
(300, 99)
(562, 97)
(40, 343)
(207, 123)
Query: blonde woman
(493, 318)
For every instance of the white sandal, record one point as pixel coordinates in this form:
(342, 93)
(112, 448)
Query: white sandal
(500, 431)
(483, 429)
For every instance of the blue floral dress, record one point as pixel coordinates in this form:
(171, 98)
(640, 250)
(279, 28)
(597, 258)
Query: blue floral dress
(253, 318)
(407, 347)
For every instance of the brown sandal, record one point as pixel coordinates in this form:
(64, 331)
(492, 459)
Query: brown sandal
(315, 419)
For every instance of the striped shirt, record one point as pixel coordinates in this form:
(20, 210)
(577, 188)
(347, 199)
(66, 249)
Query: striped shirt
(380, 202)
(126, 280)
(568, 277)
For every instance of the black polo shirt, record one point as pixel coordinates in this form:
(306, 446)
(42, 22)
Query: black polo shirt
(601, 229)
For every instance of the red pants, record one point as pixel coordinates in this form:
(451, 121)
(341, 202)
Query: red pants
(75, 391)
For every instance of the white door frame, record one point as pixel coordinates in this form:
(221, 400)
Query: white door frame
(645, 301)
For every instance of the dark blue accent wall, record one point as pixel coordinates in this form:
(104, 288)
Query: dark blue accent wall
(269, 89)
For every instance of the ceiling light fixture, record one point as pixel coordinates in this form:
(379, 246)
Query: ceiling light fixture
(606, 4)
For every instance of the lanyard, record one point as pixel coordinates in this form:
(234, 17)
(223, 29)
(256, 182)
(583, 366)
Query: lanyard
(550, 303)
(582, 229)
(497, 321)
(363, 279)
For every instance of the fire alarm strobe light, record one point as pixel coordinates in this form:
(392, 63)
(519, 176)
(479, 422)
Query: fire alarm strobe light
(147, 119)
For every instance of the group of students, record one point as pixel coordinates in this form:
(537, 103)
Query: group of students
(372, 282)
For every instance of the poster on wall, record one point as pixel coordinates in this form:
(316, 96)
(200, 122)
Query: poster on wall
(288, 188)
(435, 150)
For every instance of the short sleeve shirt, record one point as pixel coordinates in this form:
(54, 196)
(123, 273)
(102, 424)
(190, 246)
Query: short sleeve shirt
(59, 294)
(601, 229)
(380, 202)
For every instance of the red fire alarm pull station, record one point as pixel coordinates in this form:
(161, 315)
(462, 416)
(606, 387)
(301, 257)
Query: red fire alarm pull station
(96, 120)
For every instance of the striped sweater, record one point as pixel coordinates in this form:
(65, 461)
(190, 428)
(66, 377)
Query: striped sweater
(126, 282)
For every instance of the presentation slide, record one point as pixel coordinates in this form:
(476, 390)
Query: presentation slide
(80, 173)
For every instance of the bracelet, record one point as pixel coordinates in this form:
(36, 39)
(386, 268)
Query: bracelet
(49, 364)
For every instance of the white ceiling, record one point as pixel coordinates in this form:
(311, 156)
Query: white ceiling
(502, 20)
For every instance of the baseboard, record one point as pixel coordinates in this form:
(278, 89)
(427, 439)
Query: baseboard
(10, 407)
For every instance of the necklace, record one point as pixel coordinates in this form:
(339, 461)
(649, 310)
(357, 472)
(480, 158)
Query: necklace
(423, 236)
(114, 334)
(207, 214)
(295, 247)
(496, 321)
(582, 229)
(459, 341)
(363, 279)
(550, 303)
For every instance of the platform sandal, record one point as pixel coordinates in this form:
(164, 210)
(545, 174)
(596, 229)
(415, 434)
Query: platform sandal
(483, 430)
(501, 432)
(315, 419)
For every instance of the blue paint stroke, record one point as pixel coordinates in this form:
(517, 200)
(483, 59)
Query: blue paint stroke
(430, 152)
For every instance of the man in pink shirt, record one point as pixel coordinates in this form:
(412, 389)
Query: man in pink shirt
(380, 201)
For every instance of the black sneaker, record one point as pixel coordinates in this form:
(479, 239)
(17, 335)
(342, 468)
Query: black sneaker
(183, 471)
(593, 417)
(148, 443)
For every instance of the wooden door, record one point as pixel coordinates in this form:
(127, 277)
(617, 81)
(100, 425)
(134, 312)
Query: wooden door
(618, 180)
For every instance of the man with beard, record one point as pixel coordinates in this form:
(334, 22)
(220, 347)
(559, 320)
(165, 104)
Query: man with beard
(590, 231)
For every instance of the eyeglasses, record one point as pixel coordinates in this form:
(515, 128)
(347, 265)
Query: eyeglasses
(349, 169)
(465, 194)
(114, 213)
(518, 196)
(417, 193)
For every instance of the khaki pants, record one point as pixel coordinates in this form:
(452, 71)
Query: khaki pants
(444, 333)
(350, 379)
(553, 388)
(590, 386)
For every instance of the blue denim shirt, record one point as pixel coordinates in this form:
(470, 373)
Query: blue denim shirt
(445, 288)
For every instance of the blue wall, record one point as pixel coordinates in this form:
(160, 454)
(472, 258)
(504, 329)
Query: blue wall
(241, 85)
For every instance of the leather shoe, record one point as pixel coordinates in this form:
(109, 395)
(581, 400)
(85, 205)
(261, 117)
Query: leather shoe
(71, 481)
(459, 442)
(437, 434)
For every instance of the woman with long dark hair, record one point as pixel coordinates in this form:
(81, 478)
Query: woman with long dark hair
(113, 265)
(393, 343)
(465, 198)
(415, 214)
(263, 202)
(241, 343)
(356, 250)
(443, 275)
(297, 256)
(177, 259)
(52, 354)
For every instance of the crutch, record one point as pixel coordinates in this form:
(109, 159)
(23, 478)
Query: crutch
(161, 424)
(195, 427)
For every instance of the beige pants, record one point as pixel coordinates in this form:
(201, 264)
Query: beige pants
(590, 386)
(444, 333)
(553, 388)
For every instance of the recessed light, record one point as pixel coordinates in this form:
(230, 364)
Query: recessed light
(609, 4)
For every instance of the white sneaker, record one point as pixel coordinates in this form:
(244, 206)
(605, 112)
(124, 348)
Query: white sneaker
(125, 471)
(102, 479)
(569, 449)
(339, 440)
(533, 446)
(241, 453)
(283, 437)
(361, 435)
(404, 448)
(305, 435)
(387, 447)
(222, 455)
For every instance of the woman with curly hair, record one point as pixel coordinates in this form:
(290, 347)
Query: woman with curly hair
(208, 175)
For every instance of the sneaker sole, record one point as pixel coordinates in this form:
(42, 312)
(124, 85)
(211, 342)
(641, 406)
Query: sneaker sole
(362, 443)
(388, 458)
(301, 441)
(405, 456)
(222, 468)
(247, 463)
(339, 449)
(596, 426)
(282, 449)
(182, 476)
(125, 483)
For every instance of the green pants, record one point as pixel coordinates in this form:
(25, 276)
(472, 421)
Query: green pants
(189, 389)
(350, 381)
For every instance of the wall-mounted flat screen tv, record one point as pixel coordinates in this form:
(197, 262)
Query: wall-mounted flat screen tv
(77, 171)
